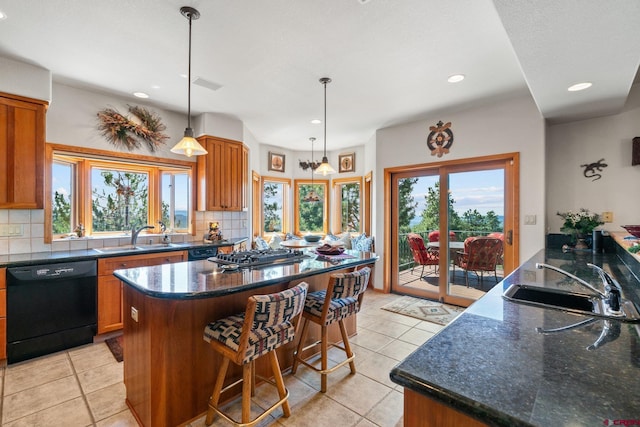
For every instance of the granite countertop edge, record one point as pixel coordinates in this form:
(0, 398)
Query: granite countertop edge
(36, 258)
(327, 268)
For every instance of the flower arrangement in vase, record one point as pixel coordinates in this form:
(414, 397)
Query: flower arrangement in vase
(580, 225)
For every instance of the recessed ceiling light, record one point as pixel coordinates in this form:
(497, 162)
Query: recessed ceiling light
(579, 86)
(316, 121)
(140, 94)
(155, 87)
(184, 76)
(456, 78)
(2, 15)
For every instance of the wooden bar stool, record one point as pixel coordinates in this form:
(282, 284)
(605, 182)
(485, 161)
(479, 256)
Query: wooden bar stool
(268, 323)
(343, 298)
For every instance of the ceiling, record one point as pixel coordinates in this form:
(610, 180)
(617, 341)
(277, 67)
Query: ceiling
(389, 59)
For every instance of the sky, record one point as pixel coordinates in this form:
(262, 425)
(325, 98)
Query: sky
(480, 190)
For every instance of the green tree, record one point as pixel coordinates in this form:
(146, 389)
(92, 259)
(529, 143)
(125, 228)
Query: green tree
(311, 214)
(350, 209)
(122, 202)
(406, 204)
(61, 214)
(271, 208)
(431, 214)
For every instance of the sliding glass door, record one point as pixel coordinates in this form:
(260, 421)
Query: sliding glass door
(451, 226)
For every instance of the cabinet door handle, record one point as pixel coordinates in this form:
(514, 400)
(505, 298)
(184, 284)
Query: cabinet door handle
(510, 237)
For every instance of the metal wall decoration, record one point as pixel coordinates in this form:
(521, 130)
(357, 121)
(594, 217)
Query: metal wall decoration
(591, 170)
(440, 138)
(122, 131)
(635, 151)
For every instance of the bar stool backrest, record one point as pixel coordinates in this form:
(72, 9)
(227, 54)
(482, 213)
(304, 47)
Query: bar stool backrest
(350, 285)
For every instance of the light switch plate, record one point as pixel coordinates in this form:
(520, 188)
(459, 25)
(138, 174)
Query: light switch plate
(134, 313)
(529, 220)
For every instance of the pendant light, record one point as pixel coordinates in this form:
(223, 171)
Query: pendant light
(311, 196)
(325, 168)
(188, 145)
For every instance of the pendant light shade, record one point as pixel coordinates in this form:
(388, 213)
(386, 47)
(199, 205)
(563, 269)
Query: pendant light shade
(325, 168)
(188, 145)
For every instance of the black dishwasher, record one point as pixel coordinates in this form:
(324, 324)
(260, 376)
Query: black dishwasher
(50, 308)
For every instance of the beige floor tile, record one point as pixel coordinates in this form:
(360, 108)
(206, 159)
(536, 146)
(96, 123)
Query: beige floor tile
(233, 410)
(100, 377)
(312, 378)
(21, 376)
(299, 394)
(389, 328)
(91, 357)
(389, 412)
(107, 401)
(358, 393)
(378, 367)
(122, 419)
(365, 423)
(429, 326)
(322, 411)
(370, 339)
(416, 336)
(72, 413)
(36, 399)
(398, 350)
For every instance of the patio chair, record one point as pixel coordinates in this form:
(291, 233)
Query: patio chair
(434, 236)
(421, 254)
(480, 254)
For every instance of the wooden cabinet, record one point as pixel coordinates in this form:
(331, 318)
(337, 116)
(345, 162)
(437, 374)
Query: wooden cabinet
(3, 313)
(222, 175)
(110, 314)
(22, 141)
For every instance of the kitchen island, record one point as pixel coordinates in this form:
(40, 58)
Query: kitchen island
(169, 370)
(501, 363)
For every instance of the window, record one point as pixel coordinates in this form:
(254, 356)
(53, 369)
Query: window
(348, 197)
(275, 193)
(311, 206)
(110, 193)
(63, 192)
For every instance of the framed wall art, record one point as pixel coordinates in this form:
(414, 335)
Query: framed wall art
(347, 162)
(276, 162)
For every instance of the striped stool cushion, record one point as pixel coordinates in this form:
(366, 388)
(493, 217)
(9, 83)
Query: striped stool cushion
(338, 308)
(261, 341)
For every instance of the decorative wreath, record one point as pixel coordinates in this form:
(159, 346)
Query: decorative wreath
(124, 132)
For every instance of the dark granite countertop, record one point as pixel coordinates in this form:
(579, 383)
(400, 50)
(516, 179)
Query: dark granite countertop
(493, 365)
(205, 279)
(80, 255)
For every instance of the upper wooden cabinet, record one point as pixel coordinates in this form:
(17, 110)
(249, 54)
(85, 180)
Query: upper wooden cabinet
(222, 175)
(22, 139)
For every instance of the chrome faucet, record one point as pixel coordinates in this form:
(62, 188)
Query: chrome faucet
(612, 290)
(135, 232)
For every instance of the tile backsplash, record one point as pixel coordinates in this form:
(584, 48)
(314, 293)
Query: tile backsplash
(22, 231)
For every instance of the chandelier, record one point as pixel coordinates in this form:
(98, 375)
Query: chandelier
(311, 196)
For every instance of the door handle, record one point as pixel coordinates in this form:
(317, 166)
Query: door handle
(510, 237)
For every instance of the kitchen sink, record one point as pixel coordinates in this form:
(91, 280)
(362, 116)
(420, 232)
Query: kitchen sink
(573, 302)
(130, 248)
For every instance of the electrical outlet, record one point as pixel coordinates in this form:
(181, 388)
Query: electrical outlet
(607, 216)
(134, 313)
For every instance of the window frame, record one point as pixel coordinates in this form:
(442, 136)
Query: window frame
(296, 203)
(85, 158)
(337, 202)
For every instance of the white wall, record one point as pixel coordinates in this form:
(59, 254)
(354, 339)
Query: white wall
(573, 144)
(512, 125)
(23, 79)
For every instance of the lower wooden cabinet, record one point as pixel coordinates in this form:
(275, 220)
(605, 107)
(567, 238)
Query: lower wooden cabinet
(3, 313)
(110, 314)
